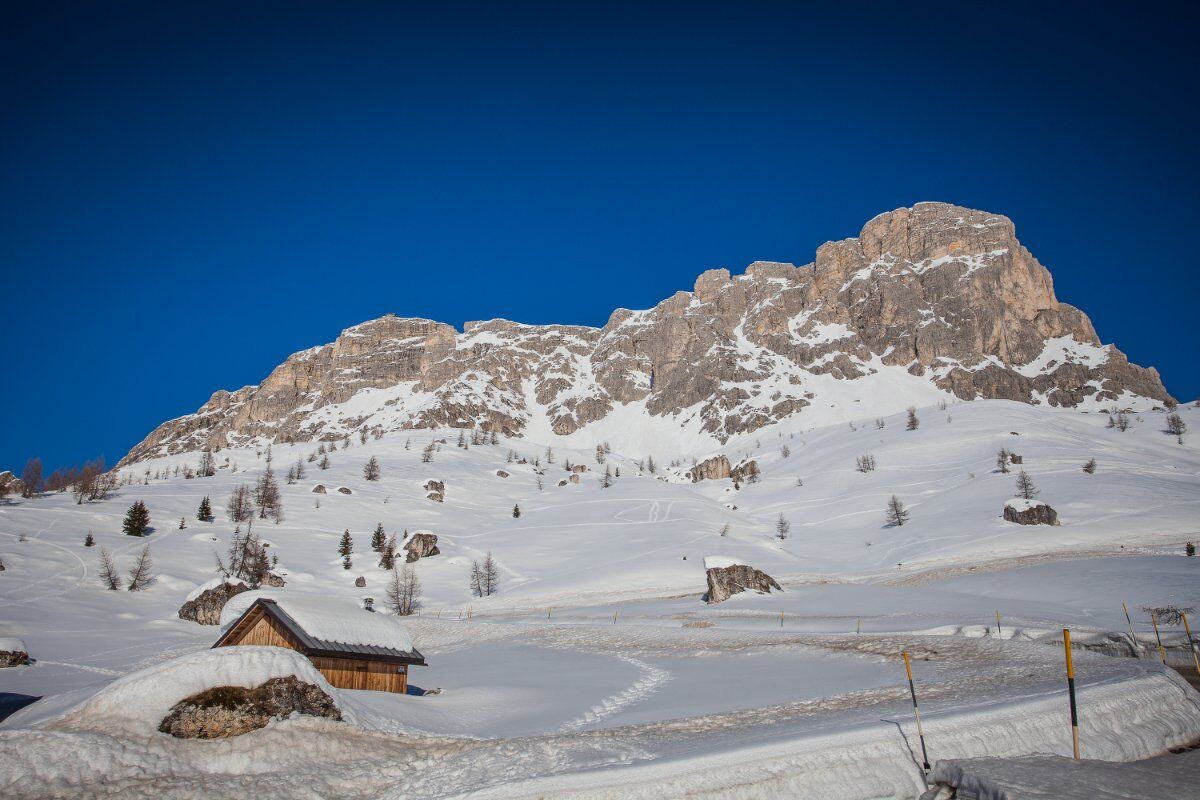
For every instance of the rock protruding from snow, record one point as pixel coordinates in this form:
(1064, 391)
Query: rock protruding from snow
(344, 490)
(137, 703)
(726, 581)
(1029, 512)
(320, 489)
(206, 605)
(13, 652)
(421, 545)
(437, 491)
(710, 469)
(360, 582)
(225, 711)
(745, 472)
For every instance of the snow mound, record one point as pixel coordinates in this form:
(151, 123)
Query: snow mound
(339, 621)
(11, 644)
(137, 703)
(1021, 504)
(1048, 777)
(720, 562)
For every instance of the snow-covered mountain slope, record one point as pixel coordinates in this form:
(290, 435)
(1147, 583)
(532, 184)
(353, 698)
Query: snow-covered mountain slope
(597, 670)
(930, 302)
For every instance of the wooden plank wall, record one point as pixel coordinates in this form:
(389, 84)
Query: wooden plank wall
(378, 676)
(344, 673)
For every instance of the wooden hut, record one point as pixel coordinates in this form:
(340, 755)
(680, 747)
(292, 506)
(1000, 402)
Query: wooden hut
(352, 648)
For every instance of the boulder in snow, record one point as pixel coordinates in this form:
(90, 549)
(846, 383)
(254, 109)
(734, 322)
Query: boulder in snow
(271, 579)
(319, 488)
(574, 478)
(205, 603)
(501, 473)
(344, 490)
(744, 472)
(437, 491)
(139, 703)
(360, 582)
(422, 544)
(727, 577)
(13, 652)
(1029, 512)
(225, 711)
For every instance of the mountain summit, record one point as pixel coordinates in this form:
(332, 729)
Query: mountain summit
(930, 302)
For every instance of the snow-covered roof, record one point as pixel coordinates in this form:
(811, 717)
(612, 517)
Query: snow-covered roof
(720, 562)
(329, 626)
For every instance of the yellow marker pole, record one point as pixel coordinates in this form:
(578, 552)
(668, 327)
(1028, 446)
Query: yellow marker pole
(999, 634)
(1132, 636)
(1071, 692)
(781, 619)
(1162, 653)
(1191, 646)
(912, 688)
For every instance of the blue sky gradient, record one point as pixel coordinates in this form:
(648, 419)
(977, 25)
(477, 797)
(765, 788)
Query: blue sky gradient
(189, 192)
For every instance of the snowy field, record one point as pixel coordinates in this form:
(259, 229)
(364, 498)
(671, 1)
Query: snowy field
(597, 670)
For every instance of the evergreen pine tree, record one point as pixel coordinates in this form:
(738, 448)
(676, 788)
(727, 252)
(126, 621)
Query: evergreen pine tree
(89, 541)
(378, 539)
(137, 520)
(371, 469)
(897, 514)
(345, 545)
(205, 512)
(516, 511)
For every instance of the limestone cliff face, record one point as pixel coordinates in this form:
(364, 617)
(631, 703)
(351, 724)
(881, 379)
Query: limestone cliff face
(944, 293)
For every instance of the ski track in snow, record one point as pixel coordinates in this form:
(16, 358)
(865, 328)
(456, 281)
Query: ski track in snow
(652, 678)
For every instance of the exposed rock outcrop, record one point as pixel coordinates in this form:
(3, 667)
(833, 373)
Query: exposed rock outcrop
(13, 652)
(945, 297)
(745, 472)
(344, 490)
(1030, 512)
(710, 469)
(501, 473)
(360, 582)
(421, 545)
(233, 710)
(437, 491)
(205, 609)
(273, 580)
(320, 489)
(724, 582)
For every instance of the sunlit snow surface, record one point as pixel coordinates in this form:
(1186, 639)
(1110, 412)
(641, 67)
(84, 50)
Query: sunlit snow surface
(597, 670)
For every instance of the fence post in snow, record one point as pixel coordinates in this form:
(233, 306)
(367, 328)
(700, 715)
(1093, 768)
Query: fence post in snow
(999, 635)
(912, 688)
(1162, 653)
(1071, 692)
(1191, 646)
(858, 626)
(781, 619)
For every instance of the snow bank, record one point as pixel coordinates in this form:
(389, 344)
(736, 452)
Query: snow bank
(330, 620)
(720, 562)
(137, 703)
(12, 644)
(1043, 777)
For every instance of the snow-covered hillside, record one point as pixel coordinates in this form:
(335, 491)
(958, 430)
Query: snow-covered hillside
(598, 643)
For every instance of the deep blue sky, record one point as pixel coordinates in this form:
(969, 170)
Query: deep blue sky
(190, 192)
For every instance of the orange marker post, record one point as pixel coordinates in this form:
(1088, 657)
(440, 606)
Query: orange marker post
(1191, 646)
(912, 688)
(1071, 692)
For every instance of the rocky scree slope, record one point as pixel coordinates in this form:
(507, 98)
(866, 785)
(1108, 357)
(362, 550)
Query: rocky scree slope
(945, 296)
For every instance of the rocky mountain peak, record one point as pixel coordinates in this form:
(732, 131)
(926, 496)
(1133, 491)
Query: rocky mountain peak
(927, 302)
